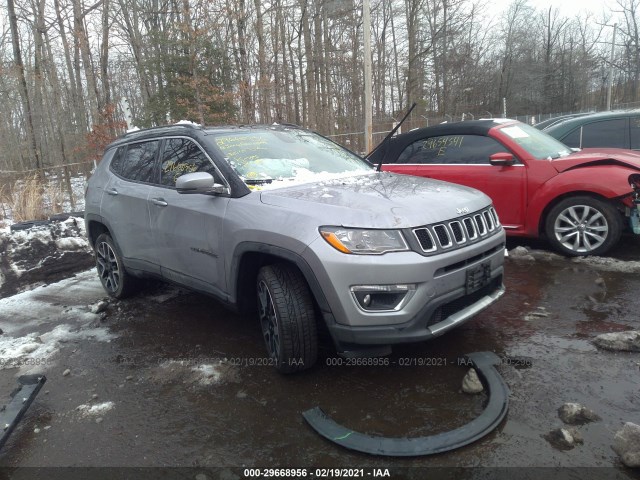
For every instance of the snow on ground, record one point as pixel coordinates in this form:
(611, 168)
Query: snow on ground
(29, 309)
(96, 409)
(203, 372)
(209, 374)
(42, 254)
(35, 326)
(609, 264)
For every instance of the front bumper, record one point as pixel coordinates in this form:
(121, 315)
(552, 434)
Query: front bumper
(430, 322)
(440, 303)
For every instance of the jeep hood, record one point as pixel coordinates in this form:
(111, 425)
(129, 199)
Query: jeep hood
(379, 200)
(598, 156)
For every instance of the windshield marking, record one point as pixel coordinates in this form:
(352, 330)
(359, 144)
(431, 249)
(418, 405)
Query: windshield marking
(280, 158)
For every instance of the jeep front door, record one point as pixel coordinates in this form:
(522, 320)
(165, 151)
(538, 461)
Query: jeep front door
(187, 228)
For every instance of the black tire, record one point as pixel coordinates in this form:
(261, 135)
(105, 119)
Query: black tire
(114, 278)
(287, 317)
(61, 217)
(30, 224)
(582, 225)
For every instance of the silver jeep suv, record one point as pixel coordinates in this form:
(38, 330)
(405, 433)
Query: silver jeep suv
(283, 222)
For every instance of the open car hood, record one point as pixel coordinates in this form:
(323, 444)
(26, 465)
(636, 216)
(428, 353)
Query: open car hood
(598, 156)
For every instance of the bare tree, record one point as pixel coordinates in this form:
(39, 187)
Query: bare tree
(24, 93)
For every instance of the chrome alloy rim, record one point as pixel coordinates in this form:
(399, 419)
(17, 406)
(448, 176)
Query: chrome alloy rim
(108, 267)
(581, 228)
(268, 320)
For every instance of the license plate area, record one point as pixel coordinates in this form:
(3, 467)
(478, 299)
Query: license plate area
(478, 277)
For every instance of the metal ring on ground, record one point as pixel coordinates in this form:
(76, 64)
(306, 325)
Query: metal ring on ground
(489, 419)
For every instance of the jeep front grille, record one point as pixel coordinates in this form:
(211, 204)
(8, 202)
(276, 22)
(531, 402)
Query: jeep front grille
(458, 235)
(458, 232)
(489, 219)
(443, 236)
(482, 228)
(470, 227)
(426, 240)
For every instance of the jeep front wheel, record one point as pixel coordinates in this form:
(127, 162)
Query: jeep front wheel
(287, 317)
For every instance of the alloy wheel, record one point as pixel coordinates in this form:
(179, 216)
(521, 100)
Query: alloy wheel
(581, 228)
(108, 267)
(268, 320)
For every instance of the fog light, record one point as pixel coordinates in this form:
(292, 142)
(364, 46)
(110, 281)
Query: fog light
(366, 301)
(381, 298)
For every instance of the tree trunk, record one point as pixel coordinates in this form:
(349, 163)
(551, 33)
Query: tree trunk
(104, 55)
(85, 54)
(310, 100)
(24, 93)
(264, 91)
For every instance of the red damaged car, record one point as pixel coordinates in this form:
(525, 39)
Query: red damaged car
(581, 201)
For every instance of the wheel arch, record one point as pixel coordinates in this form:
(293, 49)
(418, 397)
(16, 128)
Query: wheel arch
(95, 226)
(576, 193)
(573, 182)
(249, 257)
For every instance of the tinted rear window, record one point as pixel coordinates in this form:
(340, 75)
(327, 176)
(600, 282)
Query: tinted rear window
(137, 161)
(608, 133)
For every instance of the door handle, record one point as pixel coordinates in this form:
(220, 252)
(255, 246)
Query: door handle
(111, 191)
(159, 201)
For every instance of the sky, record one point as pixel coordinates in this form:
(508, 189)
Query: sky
(569, 8)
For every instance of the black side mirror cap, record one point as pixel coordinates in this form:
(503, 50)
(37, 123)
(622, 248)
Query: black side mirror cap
(502, 159)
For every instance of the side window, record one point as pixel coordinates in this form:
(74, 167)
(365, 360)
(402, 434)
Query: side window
(634, 130)
(453, 149)
(182, 156)
(117, 163)
(137, 161)
(572, 140)
(608, 133)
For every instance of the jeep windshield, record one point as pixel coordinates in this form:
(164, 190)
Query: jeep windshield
(278, 157)
(537, 143)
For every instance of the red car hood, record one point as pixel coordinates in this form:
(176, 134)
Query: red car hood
(598, 156)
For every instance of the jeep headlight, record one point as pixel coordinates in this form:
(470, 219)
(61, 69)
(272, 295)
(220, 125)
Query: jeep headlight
(364, 242)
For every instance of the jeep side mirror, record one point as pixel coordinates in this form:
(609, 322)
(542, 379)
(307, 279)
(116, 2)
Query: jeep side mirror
(502, 159)
(199, 182)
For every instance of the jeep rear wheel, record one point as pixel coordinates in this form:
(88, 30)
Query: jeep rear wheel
(114, 278)
(581, 225)
(287, 318)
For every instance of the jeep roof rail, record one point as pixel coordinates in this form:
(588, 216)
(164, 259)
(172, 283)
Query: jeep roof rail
(262, 125)
(160, 127)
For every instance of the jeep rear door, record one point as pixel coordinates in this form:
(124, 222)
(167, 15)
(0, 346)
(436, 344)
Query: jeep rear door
(125, 203)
